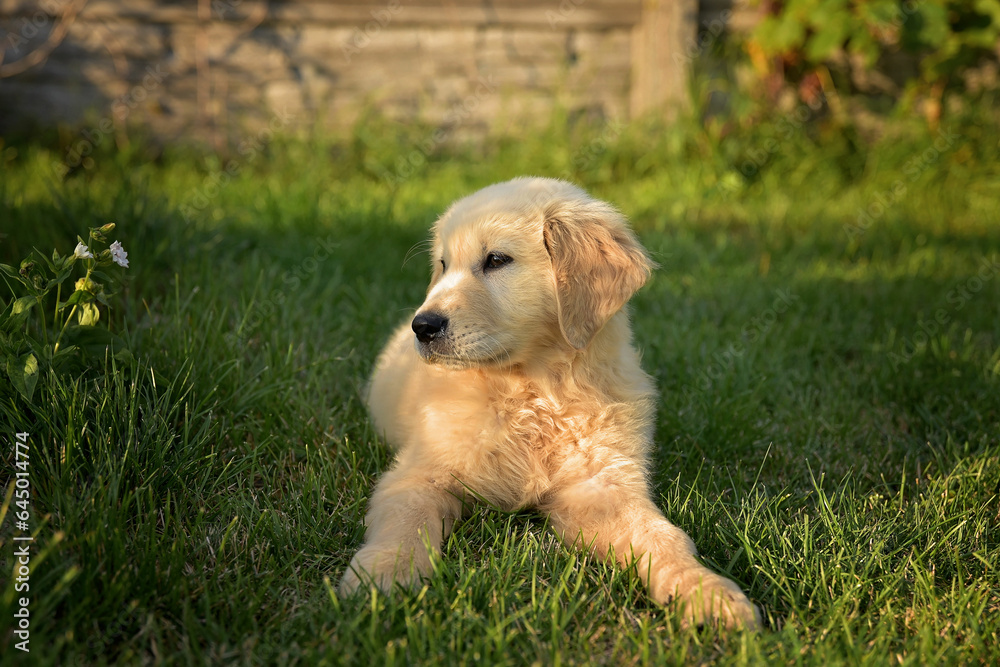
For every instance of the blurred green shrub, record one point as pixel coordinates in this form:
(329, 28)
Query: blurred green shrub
(947, 36)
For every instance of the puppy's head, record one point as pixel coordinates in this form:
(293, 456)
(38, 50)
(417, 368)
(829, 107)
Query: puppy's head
(524, 267)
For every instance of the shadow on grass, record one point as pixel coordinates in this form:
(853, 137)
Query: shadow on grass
(878, 355)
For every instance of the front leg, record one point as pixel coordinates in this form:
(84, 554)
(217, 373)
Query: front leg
(612, 510)
(411, 512)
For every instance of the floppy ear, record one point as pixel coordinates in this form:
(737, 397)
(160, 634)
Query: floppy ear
(598, 266)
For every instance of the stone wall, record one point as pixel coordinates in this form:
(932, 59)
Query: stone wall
(208, 68)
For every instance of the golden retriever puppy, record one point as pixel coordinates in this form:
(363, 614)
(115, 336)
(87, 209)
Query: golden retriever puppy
(517, 383)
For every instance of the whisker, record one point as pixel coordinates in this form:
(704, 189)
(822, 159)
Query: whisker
(416, 249)
(493, 356)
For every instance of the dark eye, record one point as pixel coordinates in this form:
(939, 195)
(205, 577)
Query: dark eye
(443, 267)
(495, 260)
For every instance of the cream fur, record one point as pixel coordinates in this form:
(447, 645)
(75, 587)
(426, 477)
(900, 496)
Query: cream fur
(532, 396)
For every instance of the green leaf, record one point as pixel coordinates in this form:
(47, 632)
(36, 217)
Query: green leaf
(990, 8)
(60, 278)
(934, 25)
(79, 296)
(23, 305)
(94, 341)
(862, 44)
(23, 374)
(53, 267)
(62, 359)
(826, 42)
(19, 310)
(984, 38)
(880, 12)
(100, 275)
(779, 34)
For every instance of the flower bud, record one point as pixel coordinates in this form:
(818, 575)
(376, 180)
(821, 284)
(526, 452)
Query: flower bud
(86, 285)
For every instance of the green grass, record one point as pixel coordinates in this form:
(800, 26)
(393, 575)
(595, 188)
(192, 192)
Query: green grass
(833, 458)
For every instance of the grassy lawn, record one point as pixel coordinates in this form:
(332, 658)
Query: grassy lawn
(824, 329)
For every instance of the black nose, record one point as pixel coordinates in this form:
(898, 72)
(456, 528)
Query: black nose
(428, 326)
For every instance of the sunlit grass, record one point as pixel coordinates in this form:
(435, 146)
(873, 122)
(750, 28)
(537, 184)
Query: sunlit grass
(842, 468)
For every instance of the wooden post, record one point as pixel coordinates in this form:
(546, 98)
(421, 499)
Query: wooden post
(661, 42)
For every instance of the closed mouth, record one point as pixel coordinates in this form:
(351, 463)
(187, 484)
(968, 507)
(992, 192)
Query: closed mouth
(443, 353)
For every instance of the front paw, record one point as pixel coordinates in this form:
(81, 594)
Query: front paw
(708, 597)
(385, 566)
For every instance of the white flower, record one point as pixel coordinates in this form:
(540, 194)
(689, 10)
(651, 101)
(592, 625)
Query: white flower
(82, 252)
(119, 255)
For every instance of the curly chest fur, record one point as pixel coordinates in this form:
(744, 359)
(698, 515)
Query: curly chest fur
(522, 449)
